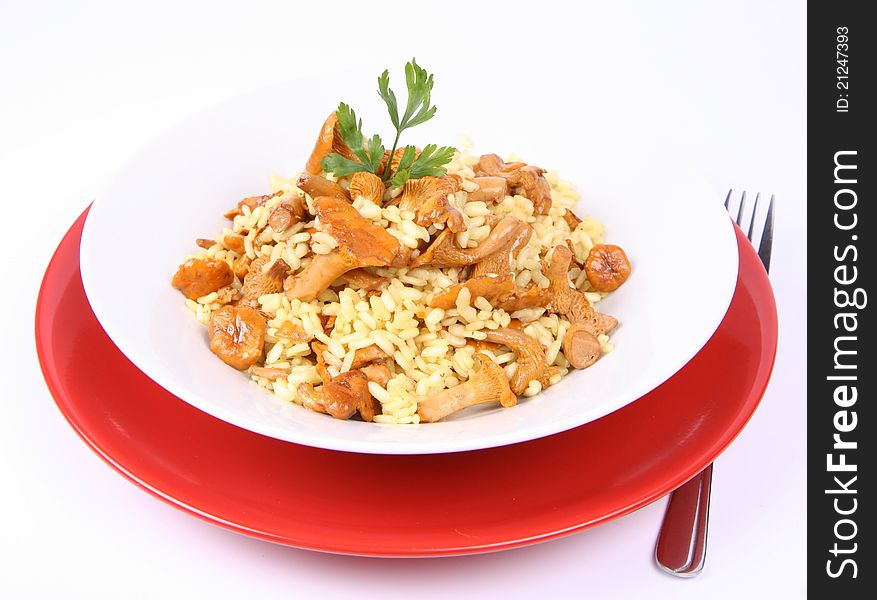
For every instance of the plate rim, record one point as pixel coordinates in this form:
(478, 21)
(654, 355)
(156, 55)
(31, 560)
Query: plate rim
(366, 444)
(757, 389)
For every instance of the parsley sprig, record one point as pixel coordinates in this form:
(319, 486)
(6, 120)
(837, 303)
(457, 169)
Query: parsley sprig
(369, 156)
(418, 110)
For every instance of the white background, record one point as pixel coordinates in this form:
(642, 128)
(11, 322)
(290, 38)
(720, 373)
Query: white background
(83, 85)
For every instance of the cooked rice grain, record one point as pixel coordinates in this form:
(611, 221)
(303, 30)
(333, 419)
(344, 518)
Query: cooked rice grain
(428, 345)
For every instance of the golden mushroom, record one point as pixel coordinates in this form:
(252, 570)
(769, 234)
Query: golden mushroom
(360, 244)
(443, 252)
(580, 345)
(487, 384)
(531, 357)
(342, 397)
(328, 141)
(427, 197)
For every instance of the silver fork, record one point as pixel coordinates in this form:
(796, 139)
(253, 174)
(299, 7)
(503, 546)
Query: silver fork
(681, 547)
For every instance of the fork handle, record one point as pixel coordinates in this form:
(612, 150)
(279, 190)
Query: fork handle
(681, 547)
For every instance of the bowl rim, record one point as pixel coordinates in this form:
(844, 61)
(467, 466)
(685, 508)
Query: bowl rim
(362, 444)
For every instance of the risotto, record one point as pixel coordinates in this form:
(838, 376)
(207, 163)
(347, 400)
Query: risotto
(406, 303)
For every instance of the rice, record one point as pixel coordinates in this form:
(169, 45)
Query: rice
(430, 348)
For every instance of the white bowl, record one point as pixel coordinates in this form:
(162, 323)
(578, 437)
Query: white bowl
(670, 223)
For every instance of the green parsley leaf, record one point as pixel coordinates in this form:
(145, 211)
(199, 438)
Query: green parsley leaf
(417, 110)
(389, 97)
(341, 166)
(350, 129)
(370, 153)
(402, 174)
(375, 153)
(408, 156)
(431, 161)
(400, 177)
(419, 84)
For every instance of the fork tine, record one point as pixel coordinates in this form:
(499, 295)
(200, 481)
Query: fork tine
(728, 198)
(752, 220)
(740, 210)
(766, 246)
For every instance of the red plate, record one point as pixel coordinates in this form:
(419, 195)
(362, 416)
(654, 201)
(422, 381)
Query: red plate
(402, 505)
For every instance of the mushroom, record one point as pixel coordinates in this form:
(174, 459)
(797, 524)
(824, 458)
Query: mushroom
(454, 180)
(287, 214)
(532, 185)
(491, 220)
(341, 397)
(492, 165)
(250, 202)
(322, 370)
(572, 249)
(364, 356)
(571, 219)
(379, 373)
(292, 332)
(528, 297)
(363, 279)
(200, 276)
(360, 244)
(531, 357)
(316, 186)
(241, 266)
(403, 259)
(607, 267)
(524, 179)
(264, 236)
(482, 345)
(362, 359)
(237, 335)
(487, 384)
(328, 323)
(427, 197)
(227, 295)
(580, 344)
(490, 287)
(444, 253)
(490, 189)
(367, 185)
(394, 164)
(500, 262)
(257, 283)
(235, 242)
(328, 141)
(272, 373)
